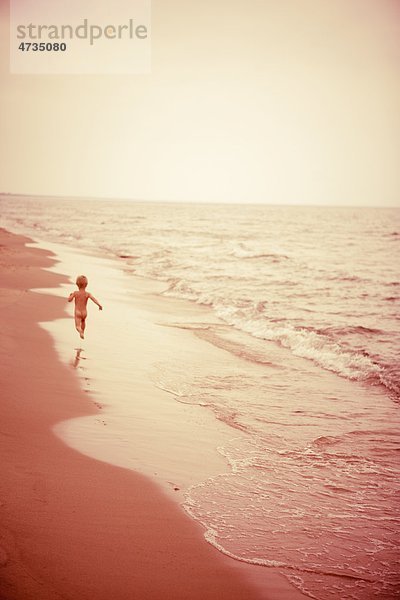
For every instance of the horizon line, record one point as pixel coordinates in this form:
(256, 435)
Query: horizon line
(189, 202)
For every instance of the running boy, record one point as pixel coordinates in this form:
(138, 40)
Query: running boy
(81, 297)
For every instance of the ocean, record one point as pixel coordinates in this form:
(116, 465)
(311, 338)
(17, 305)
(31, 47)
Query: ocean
(307, 298)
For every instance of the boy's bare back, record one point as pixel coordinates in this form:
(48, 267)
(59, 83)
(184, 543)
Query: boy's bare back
(81, 298)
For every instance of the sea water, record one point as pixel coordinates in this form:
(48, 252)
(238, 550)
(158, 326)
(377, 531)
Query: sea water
(307, 297)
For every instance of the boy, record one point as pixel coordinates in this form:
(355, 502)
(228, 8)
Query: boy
(81, 298)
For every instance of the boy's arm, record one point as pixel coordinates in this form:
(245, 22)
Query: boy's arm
(96, 301)
(71, 296)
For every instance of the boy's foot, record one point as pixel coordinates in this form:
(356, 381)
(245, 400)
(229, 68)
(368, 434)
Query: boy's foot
(81, 334)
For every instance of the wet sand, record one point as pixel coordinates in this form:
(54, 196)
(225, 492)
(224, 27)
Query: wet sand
(74, 527)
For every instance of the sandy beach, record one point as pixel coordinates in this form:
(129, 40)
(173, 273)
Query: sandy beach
(71, 526)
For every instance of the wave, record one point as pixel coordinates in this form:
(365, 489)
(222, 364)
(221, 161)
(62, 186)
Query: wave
(348, 277)
(243, 251)
(308, 344)
(319, 345)
(211, 536)
(350, 329)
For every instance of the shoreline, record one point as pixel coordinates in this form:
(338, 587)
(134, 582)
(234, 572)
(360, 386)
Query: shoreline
(64, 527)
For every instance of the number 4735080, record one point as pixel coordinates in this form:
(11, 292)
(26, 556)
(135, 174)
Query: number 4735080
(42, 47)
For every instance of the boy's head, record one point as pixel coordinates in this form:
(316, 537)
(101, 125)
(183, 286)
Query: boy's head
(81, 281)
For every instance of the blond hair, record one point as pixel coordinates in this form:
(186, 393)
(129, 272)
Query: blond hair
(81, 281)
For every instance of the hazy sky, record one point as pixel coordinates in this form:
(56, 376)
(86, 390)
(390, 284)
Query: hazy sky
(275, 101)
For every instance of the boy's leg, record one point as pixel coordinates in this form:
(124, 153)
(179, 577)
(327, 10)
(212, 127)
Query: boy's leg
(82, 328)
(78, 324)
